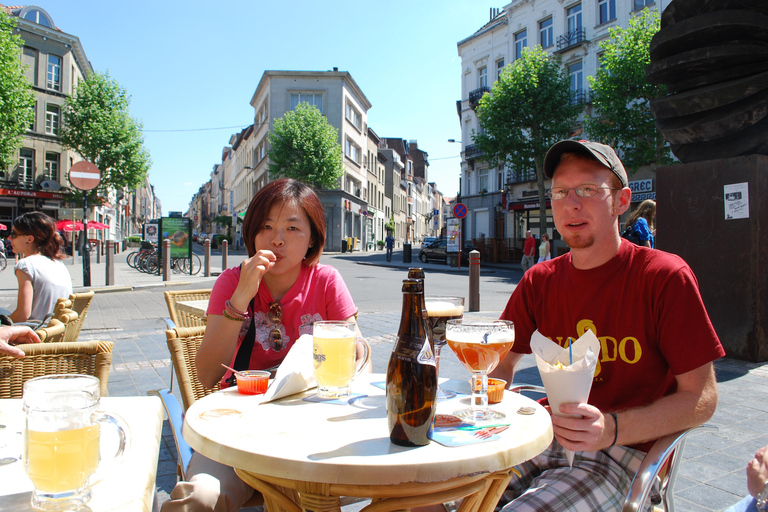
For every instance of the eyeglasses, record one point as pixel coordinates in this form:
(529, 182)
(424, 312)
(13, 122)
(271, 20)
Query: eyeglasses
(13, 235)
(276, 316)
(559, 193)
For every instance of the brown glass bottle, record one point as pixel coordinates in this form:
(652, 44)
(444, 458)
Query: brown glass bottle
(412, 374)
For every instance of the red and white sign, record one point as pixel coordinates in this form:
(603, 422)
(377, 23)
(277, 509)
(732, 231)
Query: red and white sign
(84, 176)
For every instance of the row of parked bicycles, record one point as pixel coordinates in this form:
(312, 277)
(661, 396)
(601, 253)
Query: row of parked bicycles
(147, 259)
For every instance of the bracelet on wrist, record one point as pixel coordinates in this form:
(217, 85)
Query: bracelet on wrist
(616, 431)
(232, 309)
(234, 318)
(761, 502)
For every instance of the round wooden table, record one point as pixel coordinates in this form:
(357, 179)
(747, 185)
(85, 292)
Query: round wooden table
(303, 454)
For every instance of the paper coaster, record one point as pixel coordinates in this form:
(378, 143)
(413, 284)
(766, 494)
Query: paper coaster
(452, 438)
(335, 401)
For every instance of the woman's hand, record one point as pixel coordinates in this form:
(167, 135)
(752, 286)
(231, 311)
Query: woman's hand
(15, 335)
(252, 272)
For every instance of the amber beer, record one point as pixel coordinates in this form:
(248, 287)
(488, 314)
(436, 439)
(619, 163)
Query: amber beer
(411, 383)
(478, 353)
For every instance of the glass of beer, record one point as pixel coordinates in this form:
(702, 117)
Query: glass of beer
(480, 345)
(62, 438)
(334, 353)
(439, 311)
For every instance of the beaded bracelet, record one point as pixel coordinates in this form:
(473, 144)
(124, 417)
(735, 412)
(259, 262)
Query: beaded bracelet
(234, 311)
(225, 314)
(616, 432)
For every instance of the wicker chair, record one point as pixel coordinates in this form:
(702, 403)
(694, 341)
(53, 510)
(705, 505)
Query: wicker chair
(180, 318)
(57, 329)
(79, 303)
(84, 357)
(661, 463)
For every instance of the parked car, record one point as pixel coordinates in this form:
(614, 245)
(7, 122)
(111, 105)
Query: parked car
(428, 240)
(201, 238)
(437, 250)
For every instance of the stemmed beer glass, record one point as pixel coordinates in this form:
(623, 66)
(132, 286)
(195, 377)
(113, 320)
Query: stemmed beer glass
(480, 345)
(439, 311)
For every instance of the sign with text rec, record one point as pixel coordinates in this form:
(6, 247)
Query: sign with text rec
(84, 176)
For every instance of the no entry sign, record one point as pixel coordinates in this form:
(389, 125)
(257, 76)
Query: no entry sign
(84, 176)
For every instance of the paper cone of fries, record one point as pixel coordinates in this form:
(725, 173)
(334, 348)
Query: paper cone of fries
(566, 382)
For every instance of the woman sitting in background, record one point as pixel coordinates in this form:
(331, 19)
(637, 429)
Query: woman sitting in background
(42, 276)
(643, 221)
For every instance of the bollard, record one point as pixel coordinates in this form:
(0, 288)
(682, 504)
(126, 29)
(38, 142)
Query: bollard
(166, 263)
(207, 258)
(224, 251)
(98, 251)
(474, 280)
(110, 275)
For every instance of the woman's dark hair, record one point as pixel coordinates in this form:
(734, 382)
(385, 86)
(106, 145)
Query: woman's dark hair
(43, 229)
(282, 191)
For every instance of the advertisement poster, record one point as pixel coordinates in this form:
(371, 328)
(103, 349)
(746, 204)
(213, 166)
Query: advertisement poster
(150, 232)
(177, 230)
(736, 201)
(453, 231)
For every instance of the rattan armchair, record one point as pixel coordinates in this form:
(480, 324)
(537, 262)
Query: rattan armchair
(79, 303)
(660, 464)
(181, 318)
(85, 357)
(57, 329)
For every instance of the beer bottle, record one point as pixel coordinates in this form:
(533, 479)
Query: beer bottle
(412, 373)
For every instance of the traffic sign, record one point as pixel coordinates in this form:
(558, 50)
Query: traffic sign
(84, 176)
(460, 211)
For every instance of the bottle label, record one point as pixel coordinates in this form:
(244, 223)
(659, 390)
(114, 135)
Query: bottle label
(427, 355)
(409, 348)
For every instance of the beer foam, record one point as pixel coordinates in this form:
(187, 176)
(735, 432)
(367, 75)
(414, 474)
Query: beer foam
(443, 308)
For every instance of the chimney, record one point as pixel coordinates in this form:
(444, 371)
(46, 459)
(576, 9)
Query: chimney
(335, 70)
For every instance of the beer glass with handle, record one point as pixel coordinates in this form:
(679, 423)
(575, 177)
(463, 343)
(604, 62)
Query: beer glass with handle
(480, 345)
(439, 311)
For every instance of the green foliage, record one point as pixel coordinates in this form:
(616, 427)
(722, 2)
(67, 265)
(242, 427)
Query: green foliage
(17, 101)
(97, 124)
(621, 95)
(223, 220)
(390, 226)
(529, 108)
(133, 239)
(305, 147)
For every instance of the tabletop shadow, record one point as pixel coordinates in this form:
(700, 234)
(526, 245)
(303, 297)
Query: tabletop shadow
(367, 448)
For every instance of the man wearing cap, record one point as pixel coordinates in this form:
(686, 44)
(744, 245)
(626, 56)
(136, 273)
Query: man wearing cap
(654, 374)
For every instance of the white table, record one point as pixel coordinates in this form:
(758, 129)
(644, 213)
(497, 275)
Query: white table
(130, 487)
(196, 308)
(307, 454)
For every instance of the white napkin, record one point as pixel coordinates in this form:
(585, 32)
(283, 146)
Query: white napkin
(296, 373)
(572, 383)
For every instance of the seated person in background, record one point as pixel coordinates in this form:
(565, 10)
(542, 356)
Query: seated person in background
(757, 484)
(643, 222)
(655, 374)
(43, 278)
(257, 311)
(16, 335)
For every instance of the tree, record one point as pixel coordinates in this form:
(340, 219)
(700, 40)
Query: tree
(97, 124)
(529, 108)
(621, 95)
(17, 101)
(224, 221)
(305, 147)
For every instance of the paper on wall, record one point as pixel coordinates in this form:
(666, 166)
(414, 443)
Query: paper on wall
(573, 382)
(296, 373)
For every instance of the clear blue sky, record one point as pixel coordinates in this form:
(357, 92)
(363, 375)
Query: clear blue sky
(195, 65)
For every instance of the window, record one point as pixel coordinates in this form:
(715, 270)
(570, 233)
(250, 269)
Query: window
(573, 15)
(499, 68)
(29, 62)
(52, 166)
(521, 41)
(640, 4)
(38, 17)
(52, 120)
(546, 33)
(315, 99)
(54, 73)
(352, 151)
(353, 116)
(606, 10)
(482, 184)
(576, 72)
(31, 126)
(26, 167)
(483, 77)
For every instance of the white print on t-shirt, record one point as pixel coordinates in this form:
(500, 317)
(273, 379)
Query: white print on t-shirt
(264, 328)
(307, 321)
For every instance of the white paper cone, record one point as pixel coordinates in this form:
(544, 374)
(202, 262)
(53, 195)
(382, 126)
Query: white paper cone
(296, 373)
(569, 455)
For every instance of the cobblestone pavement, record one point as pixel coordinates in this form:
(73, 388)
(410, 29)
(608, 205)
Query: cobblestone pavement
(711, 478)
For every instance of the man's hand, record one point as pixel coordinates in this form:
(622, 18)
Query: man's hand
(16, 335)
(757, 471)
(589, 431)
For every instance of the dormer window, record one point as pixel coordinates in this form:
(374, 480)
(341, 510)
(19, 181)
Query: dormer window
(37, 15)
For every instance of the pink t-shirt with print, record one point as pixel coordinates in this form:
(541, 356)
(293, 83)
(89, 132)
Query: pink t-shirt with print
(318, 294)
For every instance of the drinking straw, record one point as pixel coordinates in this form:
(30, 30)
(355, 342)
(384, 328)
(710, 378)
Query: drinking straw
(570, 349)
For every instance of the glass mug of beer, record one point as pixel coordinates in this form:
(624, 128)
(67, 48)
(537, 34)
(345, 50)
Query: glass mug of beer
(62, 437)
(334, 353)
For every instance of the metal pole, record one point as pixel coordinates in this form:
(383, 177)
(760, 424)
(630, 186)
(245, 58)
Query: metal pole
(86, 244)
(110, 276)
(224, 251)
(166, 259)
(207, 256)
(474, 280)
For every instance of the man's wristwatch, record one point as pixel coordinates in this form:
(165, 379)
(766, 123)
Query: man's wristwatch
(762, 499)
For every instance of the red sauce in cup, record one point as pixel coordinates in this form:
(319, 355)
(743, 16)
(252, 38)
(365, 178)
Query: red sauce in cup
(254, 382)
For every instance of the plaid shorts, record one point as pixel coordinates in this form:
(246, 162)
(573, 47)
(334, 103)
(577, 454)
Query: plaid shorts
(598, 482)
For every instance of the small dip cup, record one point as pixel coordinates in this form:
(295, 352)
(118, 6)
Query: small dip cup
(496, 389)
(252, 382)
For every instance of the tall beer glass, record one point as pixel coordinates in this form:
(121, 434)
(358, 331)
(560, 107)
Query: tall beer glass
(439, 311)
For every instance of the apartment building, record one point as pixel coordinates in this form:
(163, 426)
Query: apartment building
(503, 203)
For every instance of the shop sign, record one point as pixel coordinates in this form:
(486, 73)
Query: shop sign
(30, 193)
(641, 186)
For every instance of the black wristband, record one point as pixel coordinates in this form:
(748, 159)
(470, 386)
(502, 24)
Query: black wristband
(616, 432)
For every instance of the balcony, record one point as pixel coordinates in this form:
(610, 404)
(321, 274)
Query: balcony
(569, 40)
(521, 176)
(474, 96)
(580, 97)
(472, 151)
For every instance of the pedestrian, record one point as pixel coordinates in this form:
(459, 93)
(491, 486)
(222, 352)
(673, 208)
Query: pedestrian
(643, 222)
(529, 251)
(545, 250)
(757, 485)
(255, 314)
(662, 378)
(390, 241)
(42, 277)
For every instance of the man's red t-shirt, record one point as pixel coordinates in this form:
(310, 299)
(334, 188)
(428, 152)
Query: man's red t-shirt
(530, 246)
(644, 306)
